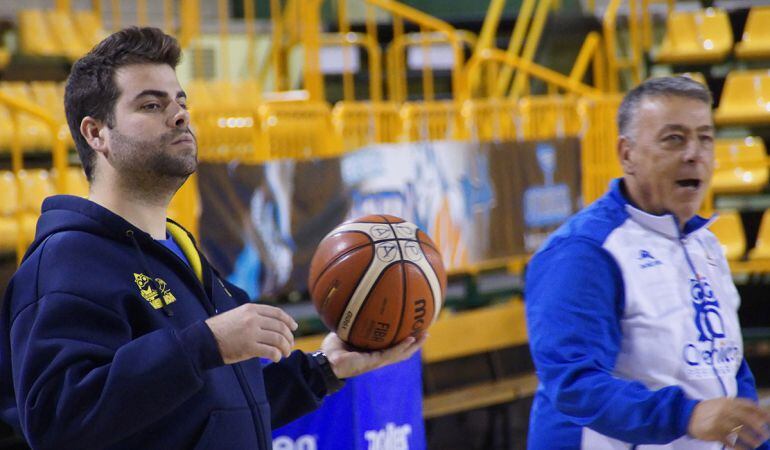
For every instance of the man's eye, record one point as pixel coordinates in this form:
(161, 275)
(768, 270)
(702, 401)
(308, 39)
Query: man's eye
(151, 107)
(674, 138)
(707, 138)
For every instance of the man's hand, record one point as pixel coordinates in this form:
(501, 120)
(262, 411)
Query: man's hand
(735, 422)
(348, 363)
(251, 331)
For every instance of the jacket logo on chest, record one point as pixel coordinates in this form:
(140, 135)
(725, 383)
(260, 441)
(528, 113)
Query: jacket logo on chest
(150, 294)
(708, 317)
(646, 260)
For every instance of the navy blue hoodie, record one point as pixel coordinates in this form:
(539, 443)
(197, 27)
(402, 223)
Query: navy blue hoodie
(103, 344)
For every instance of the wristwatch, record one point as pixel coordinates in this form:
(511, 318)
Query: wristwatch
(333, 384)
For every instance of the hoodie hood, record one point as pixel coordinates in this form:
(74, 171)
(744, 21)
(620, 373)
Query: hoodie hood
(71, 213)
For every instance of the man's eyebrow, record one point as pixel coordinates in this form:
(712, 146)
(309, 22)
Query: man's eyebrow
(678, 127)
(159, 94)
(674, 127)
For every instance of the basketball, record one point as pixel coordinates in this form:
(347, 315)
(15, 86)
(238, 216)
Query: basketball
(377, 280)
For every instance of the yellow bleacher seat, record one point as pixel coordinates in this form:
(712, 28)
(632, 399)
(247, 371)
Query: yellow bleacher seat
(5, 57)
(50, 95)
(728, 228)
(703, 36)
(35, 186)
(9, 227)
(755, 43)
(745, 99)
(6, 129)
(762, 248)
(77, 184)
(35, 135)
(740, 165)
(90, 28)
(65, 32)
(35, 37)
(695, 76)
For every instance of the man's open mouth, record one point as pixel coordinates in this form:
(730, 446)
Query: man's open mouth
(689, 182)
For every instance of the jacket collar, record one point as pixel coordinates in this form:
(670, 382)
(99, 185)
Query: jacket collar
(665, 224)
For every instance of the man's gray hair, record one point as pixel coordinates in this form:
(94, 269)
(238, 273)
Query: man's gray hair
(678, 86)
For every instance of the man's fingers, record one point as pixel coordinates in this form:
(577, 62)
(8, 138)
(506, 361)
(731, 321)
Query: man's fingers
(405, 349)
(276, 340)
(275, 326)
(754, 427)
(275, 313)
(754, 424)
(267, 351)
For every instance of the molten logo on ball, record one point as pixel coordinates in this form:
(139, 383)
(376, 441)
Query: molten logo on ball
(386, 277)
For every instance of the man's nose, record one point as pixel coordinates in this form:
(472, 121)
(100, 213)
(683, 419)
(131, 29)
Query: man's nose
(694, 151)
(181, 118)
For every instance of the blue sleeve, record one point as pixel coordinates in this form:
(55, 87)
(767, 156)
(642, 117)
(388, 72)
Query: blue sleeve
(294, 388)
(83, 380)
(574, 302)
(747, 387)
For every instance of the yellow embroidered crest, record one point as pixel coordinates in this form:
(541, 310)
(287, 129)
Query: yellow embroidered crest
(150, 294)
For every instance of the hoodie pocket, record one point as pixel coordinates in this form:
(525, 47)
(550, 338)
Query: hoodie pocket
(228, 429)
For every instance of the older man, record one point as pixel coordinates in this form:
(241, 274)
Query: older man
(631, 307)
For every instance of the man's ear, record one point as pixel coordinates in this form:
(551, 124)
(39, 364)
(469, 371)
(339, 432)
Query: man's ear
(625, 154)
(93, 131)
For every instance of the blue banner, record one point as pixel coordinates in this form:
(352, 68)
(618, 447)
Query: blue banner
(380, 410)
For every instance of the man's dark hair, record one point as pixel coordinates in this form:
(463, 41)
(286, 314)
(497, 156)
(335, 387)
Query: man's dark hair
(91, 88)
(678, 86)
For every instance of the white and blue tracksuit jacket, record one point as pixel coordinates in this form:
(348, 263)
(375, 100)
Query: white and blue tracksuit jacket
(631, 323)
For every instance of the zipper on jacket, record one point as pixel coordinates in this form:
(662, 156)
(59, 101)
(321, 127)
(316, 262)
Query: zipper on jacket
(245, 387)
(253, 407)
(683, 243)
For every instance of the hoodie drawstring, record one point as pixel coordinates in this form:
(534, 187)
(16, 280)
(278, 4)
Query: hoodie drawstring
(153, 284)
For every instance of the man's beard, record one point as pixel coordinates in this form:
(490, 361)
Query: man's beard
(152, 160)
(150, 169)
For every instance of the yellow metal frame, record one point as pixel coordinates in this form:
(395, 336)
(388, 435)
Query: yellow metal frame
(591, 53)
(395, 55)
(545, 74)
(487, 34)
(521, 81)
(428, 22)
(514, 45)
(311, 41)
(372, 48)
(614, 62)
(599, 162)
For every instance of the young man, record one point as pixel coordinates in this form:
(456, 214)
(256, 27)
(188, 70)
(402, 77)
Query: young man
(631, 308)
(116, 332)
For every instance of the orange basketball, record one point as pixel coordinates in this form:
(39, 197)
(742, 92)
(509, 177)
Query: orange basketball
(376, 280)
